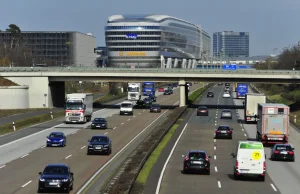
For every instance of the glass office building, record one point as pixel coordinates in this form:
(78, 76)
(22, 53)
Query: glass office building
(231, 44)
(141, 40)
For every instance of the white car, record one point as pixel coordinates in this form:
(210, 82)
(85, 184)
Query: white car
(226, 95)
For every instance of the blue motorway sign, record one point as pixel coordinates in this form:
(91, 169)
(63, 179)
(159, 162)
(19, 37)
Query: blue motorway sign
(245, 67)
(229, 67)
(131, 36)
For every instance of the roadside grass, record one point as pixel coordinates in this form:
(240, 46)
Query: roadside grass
(144, 173)
(8, 112)
(279, 99)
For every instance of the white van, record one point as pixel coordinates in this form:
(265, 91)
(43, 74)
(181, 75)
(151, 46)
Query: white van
(250, 160)
(126, 107)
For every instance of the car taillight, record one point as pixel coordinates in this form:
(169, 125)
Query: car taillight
(187, 158)
(265, 165)
(291, 152)
(228, 131)
(276, 152)
(236, 165)
(207, 159)
(218, 131)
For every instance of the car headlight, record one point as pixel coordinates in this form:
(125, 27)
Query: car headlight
(42, 180)
(65, 180)
(93, 124)
(90, 145)
(48, 140)
(105, 146)
(61, 140)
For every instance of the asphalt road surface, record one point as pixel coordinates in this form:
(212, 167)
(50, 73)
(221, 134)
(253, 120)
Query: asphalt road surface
(21, 116)
(199, 134)
(285, 175)
(22, 159)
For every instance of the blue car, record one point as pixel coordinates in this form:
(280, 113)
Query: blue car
(57, 139)
(99, 144)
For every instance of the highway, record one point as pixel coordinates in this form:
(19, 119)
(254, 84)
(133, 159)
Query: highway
(22, 159)
(198, 133)
(285, 175)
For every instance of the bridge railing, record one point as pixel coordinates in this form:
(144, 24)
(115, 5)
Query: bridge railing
(144, 70)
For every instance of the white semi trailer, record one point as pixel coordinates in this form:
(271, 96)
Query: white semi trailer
(134, 91)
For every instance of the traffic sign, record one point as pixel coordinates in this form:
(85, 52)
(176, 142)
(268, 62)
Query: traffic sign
(229, 67)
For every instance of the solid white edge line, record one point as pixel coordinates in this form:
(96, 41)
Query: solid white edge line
(43, 146)
(2, 166)
(216, 169)
(24, 156)
(117, 154)
(167, 161)
(26, 184)
(82, 147)
(274, 188)
(73, 133)
(219, 184)
(68, 156)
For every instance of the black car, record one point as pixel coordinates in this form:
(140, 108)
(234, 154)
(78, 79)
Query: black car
(152, 98)
(155, 108)
(147, 101)
(223, 131)
(196, 160)
(99, 123)
(140, 104)
(170, 86)
(56, 177)
(227, 84)
(99, 144)
(202, 111)
(168, 92)
(210, 95)
(282, 152)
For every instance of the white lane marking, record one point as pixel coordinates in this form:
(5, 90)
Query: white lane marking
(82, 147)
(216, 117)
(215, 157)
(117, 154)
(216, 169)
(128, 120)
(26, 184)
(215, 147)
(241, 124)
(168, 159)
(245, 134)
(2, 166)
(139, 113)
(68, 156)
(215, 123)
(143, 110)
(43, 146)
(215, 140)
(133, 116)
(73, 133)
(105, 133)
(242, 129)
(219, 184)
(26, 137)
(122, 123)
(114, 127)
(24, 156)
(274, 188)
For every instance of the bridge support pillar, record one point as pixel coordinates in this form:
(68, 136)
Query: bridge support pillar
(189, 64)
(182, 101)
(169, 63)
(41, 92)
(183, 64)
(175, 63)
(194, 64)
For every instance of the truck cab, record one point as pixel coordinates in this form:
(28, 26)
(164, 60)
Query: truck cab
(126, 107)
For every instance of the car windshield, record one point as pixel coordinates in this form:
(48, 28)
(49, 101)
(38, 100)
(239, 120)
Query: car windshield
(226, 111)
(155, 105)
(133, 89)
(286, 148)
(56, 135)
(210, 93)
(125, 105)
(197, 155)
(99, 139)
(49, 170)
(99, 120)
(224, 128)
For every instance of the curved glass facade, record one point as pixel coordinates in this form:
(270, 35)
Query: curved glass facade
(141, 40)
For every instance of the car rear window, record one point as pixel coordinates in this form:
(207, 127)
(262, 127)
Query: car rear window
(197, 155)
(202, 108)
(224, 128)
(287, 148)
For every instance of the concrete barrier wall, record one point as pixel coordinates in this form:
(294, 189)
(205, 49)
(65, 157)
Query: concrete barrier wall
(14, 97)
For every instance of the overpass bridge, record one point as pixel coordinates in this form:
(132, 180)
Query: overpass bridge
(48, 82)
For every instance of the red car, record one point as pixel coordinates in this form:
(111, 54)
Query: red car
(161, 89)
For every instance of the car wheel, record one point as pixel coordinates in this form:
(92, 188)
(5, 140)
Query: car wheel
(208, 172)
(40, 190)
(68, 190)
(88, 153)
(71, 187)
(236, 177)
(230, 137)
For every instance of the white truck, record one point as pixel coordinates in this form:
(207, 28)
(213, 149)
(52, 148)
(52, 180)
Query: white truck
(79, 107)
(134, 91)
(126, 107)
(251, 102)
(273, 123)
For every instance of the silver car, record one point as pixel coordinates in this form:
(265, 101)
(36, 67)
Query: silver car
(226, 114)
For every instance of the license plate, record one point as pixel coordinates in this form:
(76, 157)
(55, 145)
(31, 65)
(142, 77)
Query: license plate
(202, 110)
(284, 153)
(74, 121)
(98, 148)
(244, 170)
(223, 132)
(51, 183)
(98, 126)
(54, 145)
(197, 162)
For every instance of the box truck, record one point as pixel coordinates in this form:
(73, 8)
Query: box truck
(242, 90)
(79, 107)
(273, 123)
(251, 103)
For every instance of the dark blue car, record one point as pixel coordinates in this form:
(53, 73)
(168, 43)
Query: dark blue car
(57, 139)
(99, 144)
(56, 177)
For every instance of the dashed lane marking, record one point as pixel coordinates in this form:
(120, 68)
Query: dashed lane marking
(82, 147)
(216, 169)
(219, 184)
(215, 157)
(68, 156)
(114, 127)
(24, 156)
(215, 147)
(245, 134)
(105, 133)
(26, 184)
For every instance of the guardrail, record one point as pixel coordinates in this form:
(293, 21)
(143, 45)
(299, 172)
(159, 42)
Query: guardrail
(144, 70)
(139, 157)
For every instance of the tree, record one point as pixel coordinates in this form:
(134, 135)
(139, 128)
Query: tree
(15, 34)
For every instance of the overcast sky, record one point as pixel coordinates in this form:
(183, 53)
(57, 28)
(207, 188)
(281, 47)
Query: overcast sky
(271, 23)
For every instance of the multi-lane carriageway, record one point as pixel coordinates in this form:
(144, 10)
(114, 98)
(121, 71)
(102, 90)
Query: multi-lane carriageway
(198, 133)
(22, 159)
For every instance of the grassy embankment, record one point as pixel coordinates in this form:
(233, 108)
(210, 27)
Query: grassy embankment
(144, 173)
(284, 94)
